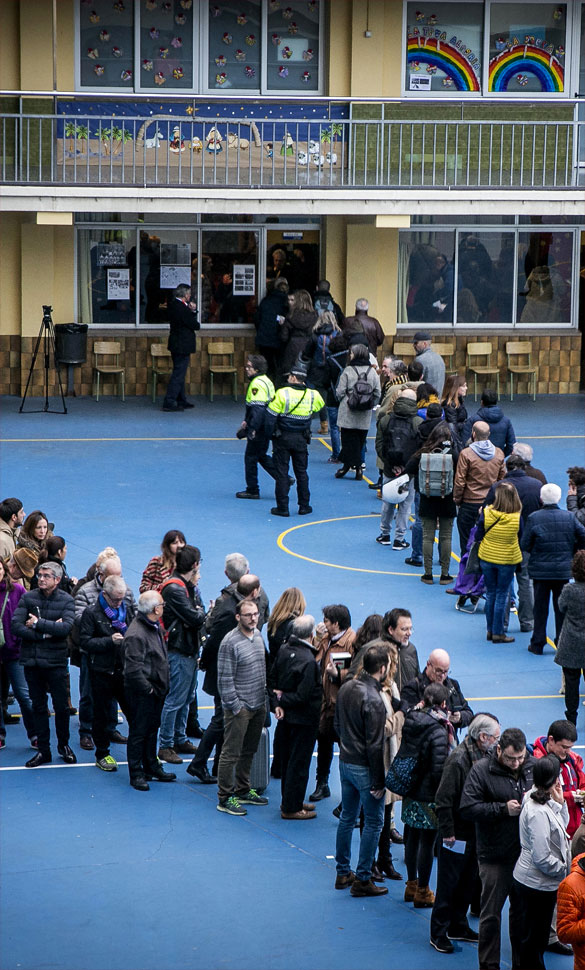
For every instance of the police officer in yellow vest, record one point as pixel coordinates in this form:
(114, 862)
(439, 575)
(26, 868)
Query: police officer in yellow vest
(288, 421)
(258, 397)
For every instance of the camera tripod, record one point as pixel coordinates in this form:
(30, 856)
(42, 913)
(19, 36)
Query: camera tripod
(46, 333)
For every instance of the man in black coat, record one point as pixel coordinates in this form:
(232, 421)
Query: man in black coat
(492, 798)
(437, 672)
(101, 638)
(184, 323)
(297, 691)
(43, 620)
(457, 872)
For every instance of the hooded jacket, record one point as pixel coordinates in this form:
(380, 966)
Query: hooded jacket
(551, 538)
(501, 430)
(478, 468)
(406, 409)
(571, 910)
(573, 779)
(545, 847)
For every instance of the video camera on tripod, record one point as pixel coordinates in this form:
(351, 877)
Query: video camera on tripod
(47, 331)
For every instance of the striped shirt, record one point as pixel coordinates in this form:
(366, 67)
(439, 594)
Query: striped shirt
(241, 671)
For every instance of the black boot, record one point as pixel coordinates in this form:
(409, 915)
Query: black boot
(386, 866)
(321, 791)
(341, 472)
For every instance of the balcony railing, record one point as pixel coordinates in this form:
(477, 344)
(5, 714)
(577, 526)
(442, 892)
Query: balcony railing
(374, 146)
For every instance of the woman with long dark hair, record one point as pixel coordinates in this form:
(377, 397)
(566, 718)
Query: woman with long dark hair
(435, 508)
(296, 329)
(290, 604)
(453, 402)
(354, 424)
(34, 532)
(162, 567)
(55, 550)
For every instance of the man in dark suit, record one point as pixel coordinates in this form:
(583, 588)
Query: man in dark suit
(184, 323)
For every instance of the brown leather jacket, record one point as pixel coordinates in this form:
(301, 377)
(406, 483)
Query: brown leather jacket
(474, 476)
(371, 327)
(331, 687)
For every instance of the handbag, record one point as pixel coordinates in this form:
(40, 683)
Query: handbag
(401, 773)
(2, 637)
(472, 565)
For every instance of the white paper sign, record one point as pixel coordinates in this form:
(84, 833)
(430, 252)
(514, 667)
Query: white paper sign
(419, 83)
(244, 279)
(118, 284)
(171, 276)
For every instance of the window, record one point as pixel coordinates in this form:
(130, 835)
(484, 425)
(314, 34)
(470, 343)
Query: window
(545, 261)
(229, 276)
(107, 276)
(252, 46)
(426, 276)
(527, 47)
(444, 44)
(485, 277)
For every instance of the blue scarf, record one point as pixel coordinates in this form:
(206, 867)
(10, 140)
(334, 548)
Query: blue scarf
(116, 617)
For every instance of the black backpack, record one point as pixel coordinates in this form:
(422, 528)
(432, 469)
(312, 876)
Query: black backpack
(361, 396)
(324, 304)
(399, 442)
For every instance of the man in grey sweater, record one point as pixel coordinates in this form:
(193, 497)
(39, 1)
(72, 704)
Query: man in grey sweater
(433, 363)
(241, 680)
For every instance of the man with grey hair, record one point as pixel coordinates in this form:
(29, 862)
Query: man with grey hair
(87, 596)
(183, 325)
(433, 363)
(146, 683)
(297, 706)
(43, 620)
(101, 640)
(457, 872)
(526, 452)
(370, 326)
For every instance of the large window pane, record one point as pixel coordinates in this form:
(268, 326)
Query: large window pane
(444, 44)
(106, 44)
(293, 45)
(234, 45)
(166, 44)
(229, 276)
(545, 268)
(425, 277)
(527, 47)
(485, 278)
(107, 276)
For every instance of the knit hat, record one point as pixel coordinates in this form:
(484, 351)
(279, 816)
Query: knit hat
(26, 560)
(550, 494)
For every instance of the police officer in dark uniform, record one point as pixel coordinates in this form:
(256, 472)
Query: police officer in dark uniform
(288, 422)
(184, 323)
(258, 396)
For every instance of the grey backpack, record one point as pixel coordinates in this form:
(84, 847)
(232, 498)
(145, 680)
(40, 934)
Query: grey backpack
(435, 472)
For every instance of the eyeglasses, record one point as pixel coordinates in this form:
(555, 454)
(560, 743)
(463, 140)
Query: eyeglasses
(255, 613)
(440, 670)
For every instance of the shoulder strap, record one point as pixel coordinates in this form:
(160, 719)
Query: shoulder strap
(299, 402)
(4, 605)
(173, 581)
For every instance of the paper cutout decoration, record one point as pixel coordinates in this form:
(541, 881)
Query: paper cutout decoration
(213, 141)
(186, 4)
(214, 11)
(302, 158)
(287, 13)
(283, 71)
(312, 6)
(117, 52)
(221, 78)
(99, 70)
(558, 14)
(288, 145)
(560, 52)
(286, 52)
(221, 60)
(227, 38)
(153, 33)
(447, 82)
(240, 55)
(419, 15)
(431, 68)
(159, 78)
(308, 54)
(167, 7)
(104, 36)
(196, 144)
(92, 52)
(94, 18)
(318, 160)
(176, 143)
(119, 7)
(314, 146)
(249, 71)
(242, 19)
(177, 42)
(331, 157)
(180, 19)
(126, 75)
(178, 73)
(306, 77)
(274, 4)
(522, 80)
(250, 40)
(432, 21)
(147, 65)
(151, 4)
(500, 44)
(189, 109)
(293, 28)
(276, 40)
(163, 52)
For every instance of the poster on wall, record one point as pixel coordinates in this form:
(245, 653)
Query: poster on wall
(244, 280)
(118, 284)
(443, 47)
(110, 254)
(171, 276)
(175, 265)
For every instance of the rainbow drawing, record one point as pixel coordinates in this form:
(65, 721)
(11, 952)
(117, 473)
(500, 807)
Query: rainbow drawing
(526, 57)
(446, 58)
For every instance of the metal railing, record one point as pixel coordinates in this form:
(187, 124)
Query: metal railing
(165, 150)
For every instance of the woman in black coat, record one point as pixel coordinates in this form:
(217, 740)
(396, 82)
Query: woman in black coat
(429, 733)
(296, 329)
(454, 393)
(270, 317)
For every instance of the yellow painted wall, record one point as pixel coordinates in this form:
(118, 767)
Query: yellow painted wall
(65, 45)
(339, 33)
(47, 274)
(36, 49)
(372, 259)
(333, 245)
(9, 46)
(10, 273)
(376, 61)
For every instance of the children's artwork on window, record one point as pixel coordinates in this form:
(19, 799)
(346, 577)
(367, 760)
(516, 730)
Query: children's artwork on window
(107, 36)
(233, 35)
(443, 47)
(293, 38)
(527, 48)
(166, 42)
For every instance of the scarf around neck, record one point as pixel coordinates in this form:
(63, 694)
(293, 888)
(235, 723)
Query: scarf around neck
(116, 617)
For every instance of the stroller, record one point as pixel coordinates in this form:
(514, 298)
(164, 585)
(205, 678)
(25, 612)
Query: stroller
(468, 586)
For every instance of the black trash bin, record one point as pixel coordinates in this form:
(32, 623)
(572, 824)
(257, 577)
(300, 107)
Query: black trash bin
(71, 343)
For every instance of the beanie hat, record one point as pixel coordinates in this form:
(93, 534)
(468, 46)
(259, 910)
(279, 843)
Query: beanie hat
(550, 494)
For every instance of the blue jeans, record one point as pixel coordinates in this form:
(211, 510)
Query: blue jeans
(183, 683)
(355, 791)
(388, 511)
(498, 579)
(334, 432)
(417, 535)
(15, 675)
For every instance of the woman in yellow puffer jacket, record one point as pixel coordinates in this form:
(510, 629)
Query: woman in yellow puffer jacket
(499, 554)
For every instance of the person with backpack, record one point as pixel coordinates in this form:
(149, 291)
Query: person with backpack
(433, 470)
(315, 356)
(336, 363)
(358, 392)
(499, 555)
(396, 442)
(183, 618)
(324, 303)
